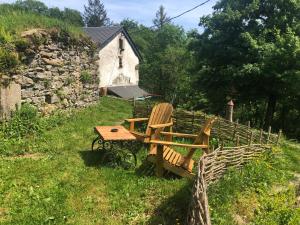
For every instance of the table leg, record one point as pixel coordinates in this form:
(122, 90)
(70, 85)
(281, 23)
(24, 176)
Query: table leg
(96, 139)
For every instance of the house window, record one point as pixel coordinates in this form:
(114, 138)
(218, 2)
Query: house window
(121, 44)
(120, 62)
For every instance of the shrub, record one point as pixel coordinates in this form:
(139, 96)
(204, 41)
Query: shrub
(85, 77)
(24, 122)
(8, 59)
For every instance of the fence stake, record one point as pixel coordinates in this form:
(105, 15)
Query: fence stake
(269, 133)
(234, 131)
(251, 137)
(278, 137)
(260, 136)
(237, 141)
(229, 111)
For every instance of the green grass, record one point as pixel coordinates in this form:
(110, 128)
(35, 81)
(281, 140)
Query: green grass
(13, 22)
(63, 182)
(67, 184)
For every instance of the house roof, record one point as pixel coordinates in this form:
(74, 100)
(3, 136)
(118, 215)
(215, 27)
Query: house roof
(103, 35)
(128, 92)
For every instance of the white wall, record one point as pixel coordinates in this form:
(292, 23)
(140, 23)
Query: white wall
(109, 72)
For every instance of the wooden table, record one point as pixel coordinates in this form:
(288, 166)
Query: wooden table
(107, 139)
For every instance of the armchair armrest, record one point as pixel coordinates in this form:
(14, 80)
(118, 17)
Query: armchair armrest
(193, 136)
(177, 144)
(136, 120)
(157, 126)
(132, 122)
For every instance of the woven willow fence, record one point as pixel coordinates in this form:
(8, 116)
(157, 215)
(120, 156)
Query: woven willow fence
(250, 144)
(190, 122)
(211, 168)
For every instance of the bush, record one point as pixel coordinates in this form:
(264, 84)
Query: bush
(24, 122)
(85, 77)
(8, 59)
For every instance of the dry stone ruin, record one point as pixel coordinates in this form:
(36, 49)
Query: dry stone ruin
(57, 72)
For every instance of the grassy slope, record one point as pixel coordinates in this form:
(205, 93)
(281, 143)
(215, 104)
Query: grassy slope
(13, 22)
(67, 184)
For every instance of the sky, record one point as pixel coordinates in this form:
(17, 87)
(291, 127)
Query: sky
(142, 11)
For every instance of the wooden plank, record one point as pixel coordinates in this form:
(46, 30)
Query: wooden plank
(177, 144)
(106, 133)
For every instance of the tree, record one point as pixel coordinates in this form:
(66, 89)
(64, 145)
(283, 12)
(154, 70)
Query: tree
(95, 14)
(250, 51)
(161, 17)
(55, 13)
(73, 16)
(32, 5)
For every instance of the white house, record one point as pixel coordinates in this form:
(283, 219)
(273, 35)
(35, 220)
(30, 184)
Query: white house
(119, 61)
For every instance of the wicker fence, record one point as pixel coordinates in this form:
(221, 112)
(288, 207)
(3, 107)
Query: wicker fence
(211, 168)
(250, 144)
(190, 122)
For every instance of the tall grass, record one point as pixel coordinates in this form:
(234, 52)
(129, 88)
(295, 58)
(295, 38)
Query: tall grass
(14, 21)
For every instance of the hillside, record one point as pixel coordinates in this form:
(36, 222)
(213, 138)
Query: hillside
(13, 22)
(49, 175)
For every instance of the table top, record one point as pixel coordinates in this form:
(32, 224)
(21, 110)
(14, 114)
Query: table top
(121, 135)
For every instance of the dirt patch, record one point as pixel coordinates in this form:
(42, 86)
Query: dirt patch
(3, 214)
(34, 156)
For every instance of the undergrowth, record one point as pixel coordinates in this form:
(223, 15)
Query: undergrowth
(247, 197)
(25, 125)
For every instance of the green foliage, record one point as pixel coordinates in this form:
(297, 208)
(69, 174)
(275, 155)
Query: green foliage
(14, 21)
(249, 52)
(69, 15)
(86, 77)
(161, 17)
(63, 180)
(24, 122)
(252, 192)
(8, 59)
(166, 60)
(95, 14)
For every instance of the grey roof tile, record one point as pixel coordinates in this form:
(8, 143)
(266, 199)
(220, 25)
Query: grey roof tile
(103, 35)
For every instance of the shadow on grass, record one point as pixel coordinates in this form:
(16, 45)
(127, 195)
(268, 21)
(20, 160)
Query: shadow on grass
(174, 209)
(92, 158)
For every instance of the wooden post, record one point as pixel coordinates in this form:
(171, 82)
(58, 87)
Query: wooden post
(229, 111)
(249, 126)
(251, 137)
(159, 170)
(269, 134)
(237, 141)
(234, 131)
(278, 136)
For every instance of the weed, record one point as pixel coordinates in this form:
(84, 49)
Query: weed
(86, 77)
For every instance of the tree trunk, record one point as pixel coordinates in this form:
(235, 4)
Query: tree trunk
(270, 111)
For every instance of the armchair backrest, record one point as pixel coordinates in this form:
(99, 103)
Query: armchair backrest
(161, 114)
(204, 134)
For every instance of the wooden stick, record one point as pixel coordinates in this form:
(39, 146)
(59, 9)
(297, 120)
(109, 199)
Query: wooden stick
(251, 137)
(278, 136)
(260, 136)
(237, 141)
(269, 133)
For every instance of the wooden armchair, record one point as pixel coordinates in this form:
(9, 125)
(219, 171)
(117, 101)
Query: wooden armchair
(167, 158)
(159, 119)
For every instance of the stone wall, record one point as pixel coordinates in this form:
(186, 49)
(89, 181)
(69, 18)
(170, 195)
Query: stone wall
(10, 99)
(57, 73)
